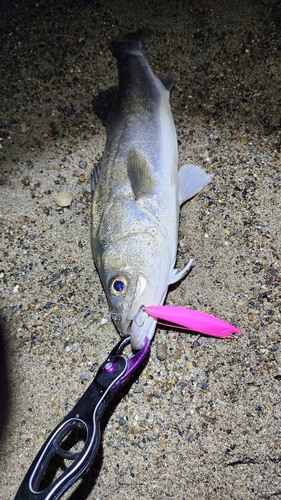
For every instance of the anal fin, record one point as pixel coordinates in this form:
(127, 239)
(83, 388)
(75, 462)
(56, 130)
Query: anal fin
(176, 275)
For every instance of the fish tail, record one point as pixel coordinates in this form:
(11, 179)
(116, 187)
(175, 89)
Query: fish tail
(132, 44)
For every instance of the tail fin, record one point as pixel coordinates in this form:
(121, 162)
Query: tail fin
(130, 45)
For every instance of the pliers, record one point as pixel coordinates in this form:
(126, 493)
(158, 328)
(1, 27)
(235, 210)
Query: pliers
(83, 419)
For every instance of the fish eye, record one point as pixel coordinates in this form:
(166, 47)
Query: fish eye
(117, 285)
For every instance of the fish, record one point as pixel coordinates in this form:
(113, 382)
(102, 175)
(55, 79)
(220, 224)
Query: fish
(137, 192)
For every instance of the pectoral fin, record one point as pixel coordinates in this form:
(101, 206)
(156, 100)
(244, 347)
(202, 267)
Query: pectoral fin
(139, 172)
(191, 179)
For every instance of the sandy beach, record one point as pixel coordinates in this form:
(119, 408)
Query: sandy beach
(204, 423)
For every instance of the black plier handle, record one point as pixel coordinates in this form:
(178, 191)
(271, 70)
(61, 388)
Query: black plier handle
(84, 417)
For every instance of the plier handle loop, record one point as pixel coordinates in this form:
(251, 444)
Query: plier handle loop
(83, 420)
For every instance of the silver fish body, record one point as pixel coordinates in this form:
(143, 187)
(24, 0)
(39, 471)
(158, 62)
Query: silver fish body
(137, 192)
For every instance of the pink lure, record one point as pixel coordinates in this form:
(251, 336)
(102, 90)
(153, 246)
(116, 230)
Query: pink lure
(193, 320)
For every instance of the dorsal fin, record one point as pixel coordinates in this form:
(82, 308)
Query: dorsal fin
(102, 103)
(139, 172)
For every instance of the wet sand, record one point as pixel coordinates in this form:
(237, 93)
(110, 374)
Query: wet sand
(205, 422)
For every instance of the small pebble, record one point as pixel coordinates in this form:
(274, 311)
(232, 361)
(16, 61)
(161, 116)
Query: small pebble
(26, 180)
(81, 178)
(45, 210)
(194, 111)
(85, 377)
(179, 347)
(163, 444)
(67, 346)
(137, 388)
(67, 111)
(82, 164)
(63, 199)
(121, 481)
(250, 317)
(5, 123)
(161, 351)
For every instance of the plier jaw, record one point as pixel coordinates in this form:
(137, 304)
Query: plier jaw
(85, 417)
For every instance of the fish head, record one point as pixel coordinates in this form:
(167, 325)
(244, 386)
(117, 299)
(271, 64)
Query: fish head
(134, 274)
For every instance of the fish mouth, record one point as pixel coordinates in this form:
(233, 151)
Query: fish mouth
(137, 321)
(140, 327)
